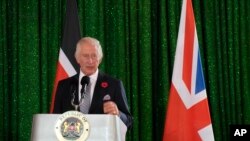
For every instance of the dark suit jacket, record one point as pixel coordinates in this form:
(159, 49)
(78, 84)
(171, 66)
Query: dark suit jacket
(114, 89)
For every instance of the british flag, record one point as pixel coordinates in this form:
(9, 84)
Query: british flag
(188, 117)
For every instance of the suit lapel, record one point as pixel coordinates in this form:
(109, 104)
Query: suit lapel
(75, 81)
(97, 95)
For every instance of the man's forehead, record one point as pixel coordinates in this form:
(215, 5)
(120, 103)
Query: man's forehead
(87, 43)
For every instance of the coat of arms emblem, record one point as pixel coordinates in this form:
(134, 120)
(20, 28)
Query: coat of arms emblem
(72, 126)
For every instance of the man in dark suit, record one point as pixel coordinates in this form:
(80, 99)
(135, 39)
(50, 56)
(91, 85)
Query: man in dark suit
(102, 93)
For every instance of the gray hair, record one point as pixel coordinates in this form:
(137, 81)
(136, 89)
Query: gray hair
(91, 41)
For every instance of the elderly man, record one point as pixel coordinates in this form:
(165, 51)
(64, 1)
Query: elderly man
(94, 91)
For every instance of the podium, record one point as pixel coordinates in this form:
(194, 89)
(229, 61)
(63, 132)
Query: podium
(102, 127)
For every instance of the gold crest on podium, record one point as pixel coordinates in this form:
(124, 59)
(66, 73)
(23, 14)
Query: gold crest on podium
(72, 126)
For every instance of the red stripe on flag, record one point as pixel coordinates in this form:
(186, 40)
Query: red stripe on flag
(183, 124)
(60, 74)
(188, 46)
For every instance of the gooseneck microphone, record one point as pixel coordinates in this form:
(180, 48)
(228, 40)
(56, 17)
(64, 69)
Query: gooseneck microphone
(84, 83)
(85, 96)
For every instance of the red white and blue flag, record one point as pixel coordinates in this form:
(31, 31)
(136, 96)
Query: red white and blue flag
(188, 117)
(67, 65)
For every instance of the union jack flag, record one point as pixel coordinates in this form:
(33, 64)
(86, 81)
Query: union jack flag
(188, 117)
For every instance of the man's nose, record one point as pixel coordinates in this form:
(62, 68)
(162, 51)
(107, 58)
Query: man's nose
(90, 60)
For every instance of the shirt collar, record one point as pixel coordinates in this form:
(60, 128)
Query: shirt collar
(92, 77)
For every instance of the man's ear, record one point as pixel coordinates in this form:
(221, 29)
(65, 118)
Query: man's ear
(100, 61)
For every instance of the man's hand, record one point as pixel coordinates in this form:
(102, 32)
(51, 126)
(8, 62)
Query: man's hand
(110, 107)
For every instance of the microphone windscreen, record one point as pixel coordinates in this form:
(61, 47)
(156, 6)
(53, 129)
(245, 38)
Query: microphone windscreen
(85, 80)
(106, 98)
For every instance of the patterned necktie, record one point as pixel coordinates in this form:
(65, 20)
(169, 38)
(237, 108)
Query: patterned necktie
(84, 107)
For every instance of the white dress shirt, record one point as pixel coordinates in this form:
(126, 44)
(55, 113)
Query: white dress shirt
(93, 79)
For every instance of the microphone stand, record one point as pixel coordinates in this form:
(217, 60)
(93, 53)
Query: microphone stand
(76, 106)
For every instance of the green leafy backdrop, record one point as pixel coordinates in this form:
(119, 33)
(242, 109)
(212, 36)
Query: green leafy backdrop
(139, 40)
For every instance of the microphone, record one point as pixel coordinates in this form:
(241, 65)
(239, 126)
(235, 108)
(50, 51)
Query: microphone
(84, 83)
(106, 98)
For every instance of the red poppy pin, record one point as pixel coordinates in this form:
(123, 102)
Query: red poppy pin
(104, 84)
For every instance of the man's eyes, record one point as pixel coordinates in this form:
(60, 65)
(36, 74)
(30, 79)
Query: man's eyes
(87, 56)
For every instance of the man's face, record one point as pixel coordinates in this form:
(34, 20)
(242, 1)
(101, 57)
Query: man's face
(88, 59)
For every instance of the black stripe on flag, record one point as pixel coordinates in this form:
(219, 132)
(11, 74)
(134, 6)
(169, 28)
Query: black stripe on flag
(71, 33)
